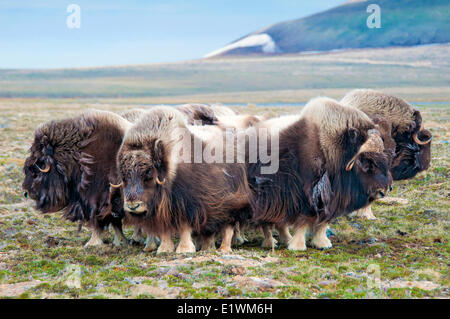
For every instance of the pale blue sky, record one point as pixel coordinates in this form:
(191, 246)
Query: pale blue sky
(33, 33)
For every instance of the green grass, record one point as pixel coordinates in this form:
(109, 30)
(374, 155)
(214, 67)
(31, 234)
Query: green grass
(407, 243)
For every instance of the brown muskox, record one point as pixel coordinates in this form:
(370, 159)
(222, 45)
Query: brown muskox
(411, 142)
(167, 195)
(70, 169)
(331, 162)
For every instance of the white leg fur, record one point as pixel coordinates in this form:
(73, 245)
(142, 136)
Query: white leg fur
(166, 245)
(269, 241)
(186, 244)
(366, 213)
(285, 235)
(298, 242)
(320, 239)
(227, 236)
(96, 239)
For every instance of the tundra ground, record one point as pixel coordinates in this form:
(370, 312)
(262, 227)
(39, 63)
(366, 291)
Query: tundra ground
(402, 254)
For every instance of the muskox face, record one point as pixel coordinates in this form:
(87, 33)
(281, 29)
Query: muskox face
(45, 181)
(411, 158)
(370, 167)
(373, 172)
(140, 168)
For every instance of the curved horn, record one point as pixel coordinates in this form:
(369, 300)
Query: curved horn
(116, 186)
(158, 181)
(373, 144)
(418, 141)
(46, 169)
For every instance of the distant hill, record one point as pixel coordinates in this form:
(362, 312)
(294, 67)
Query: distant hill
(403, 23)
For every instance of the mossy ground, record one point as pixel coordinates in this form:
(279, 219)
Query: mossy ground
(402, 254)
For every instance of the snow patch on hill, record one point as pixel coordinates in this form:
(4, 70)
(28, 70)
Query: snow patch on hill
(263, 40)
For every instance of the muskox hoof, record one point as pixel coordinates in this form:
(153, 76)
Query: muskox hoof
(365, 213)
(185, 248)
(269, 243)
(94, 243)
(165, 249)
(225, 250)
(297, 247)
(321, 243)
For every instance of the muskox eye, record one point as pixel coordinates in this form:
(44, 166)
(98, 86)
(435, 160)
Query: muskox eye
(148, 175)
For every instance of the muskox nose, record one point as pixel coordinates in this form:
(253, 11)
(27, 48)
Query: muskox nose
(25, 194)
(135, 206)
(381, 194)
(390, 188)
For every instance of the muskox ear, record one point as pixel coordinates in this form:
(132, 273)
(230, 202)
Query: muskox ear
(364, 163)
(417, 120)
(158, 154)
(352, 135)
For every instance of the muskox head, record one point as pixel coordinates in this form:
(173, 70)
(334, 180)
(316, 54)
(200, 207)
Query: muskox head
(370, 167)
(143, 170)
(413, 150)
(46, 175)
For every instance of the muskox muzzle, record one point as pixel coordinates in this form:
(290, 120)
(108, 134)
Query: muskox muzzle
(135, 207)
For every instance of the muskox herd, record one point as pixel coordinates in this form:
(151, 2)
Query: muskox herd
(141, 168)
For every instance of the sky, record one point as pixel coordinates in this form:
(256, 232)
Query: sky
(34, 33)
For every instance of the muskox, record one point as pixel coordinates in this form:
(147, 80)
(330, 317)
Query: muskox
(71, 167)
(167, 195)
(412, 143)
(331, 162)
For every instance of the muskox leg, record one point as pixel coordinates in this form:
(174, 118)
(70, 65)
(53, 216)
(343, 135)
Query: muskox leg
(366, 213)
(150, 243)
(269, 241)
(227, 236)
(166, 245)
(298, 242)
(320, 239)
(137, 237)
(96, 239)
(119, 238)
(285, 235)
(186, 244)
(238, 237)
(208, 242)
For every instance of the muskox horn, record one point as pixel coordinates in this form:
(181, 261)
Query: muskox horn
(116, 186)
(158, 181)
(373, 144)
(46, 169)
(418, 141)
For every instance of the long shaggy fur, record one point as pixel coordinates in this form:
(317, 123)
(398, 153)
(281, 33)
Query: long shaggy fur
(410, 158)
(81, 153)
(204, 196)
(312, 184)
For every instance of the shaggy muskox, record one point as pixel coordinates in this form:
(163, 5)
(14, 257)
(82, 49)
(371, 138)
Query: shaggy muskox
(71, 166)
(166, 195)
(412, 143)
(331, 162)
